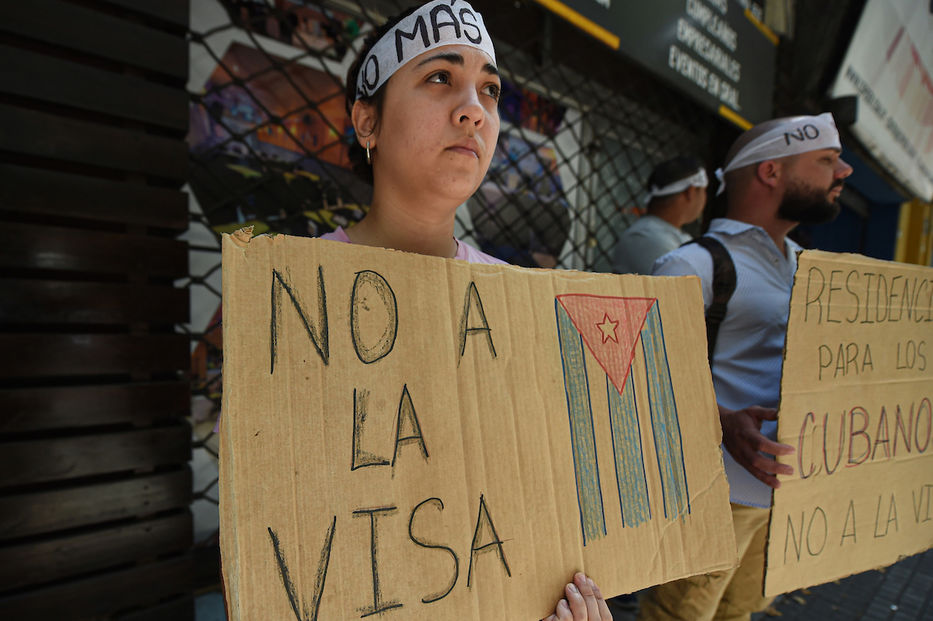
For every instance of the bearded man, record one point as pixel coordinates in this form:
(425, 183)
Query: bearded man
(777, 175)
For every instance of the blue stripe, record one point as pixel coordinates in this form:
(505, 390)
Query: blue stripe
(664, 421)
(629, 458)
(582, 433)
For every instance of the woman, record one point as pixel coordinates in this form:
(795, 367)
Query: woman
(423, 98)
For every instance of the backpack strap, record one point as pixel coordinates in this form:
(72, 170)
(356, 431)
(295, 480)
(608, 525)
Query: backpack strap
(724, 280)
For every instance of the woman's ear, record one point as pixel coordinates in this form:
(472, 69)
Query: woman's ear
(363, 117)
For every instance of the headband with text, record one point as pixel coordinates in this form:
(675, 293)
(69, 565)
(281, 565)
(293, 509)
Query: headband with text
(434, 25)
(797, 134)
(696, 180)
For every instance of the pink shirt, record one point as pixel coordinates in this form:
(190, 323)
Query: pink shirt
(465, 252)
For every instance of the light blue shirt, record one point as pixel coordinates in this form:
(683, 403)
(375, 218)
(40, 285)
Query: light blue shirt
(749, 350)
(642, 243)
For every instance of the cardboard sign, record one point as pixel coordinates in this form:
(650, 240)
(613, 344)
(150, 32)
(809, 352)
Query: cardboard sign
(412, 437)
(856, 404)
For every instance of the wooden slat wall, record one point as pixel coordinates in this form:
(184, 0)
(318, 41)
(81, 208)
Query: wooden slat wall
(95, 486)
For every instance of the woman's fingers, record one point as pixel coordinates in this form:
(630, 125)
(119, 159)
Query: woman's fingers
(604, 614)
(585, 601)
(563, 612)
(576, 601)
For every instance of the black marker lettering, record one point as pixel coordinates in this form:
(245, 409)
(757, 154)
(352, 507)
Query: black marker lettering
(893, 297)
(470, 24)
(918, 299)
(861, 432)
(472, 299)
(301, 611)
(319, 335)
(867, 296)
(855, 306)
(929, 432)
(378, 604)
(851, 358)
(437, 502)
(913, 356)
(803, 434)
(825, 358)
(850, 517)
(899, 427)
(840, 361)
(798, 136)
(790, 533)
(361, 458)
(815, 298)
(881, 299)
(370, 74)
(842, 434)
(369, 290)
(406, 414)
(892, 517)
(436, 25)
(420, 28)
(918, 503)
(908, 298)
(483, 519)
(811, 549)
(881, 435)
(829, 302)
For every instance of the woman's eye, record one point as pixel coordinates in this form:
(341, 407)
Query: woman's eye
(440, 77)
(493, 91)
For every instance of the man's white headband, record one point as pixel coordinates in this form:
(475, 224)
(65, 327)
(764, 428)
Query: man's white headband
(797, 134)
(434, 25)
(696, 180)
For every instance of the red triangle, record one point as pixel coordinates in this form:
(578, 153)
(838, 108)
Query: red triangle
(589, 312)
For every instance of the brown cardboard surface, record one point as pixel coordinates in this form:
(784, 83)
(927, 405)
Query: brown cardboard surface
(428, 437)
(855, 403)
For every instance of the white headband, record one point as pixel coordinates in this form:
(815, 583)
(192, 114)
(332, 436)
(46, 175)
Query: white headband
(434, 25)
(798, 134)
(696, 180)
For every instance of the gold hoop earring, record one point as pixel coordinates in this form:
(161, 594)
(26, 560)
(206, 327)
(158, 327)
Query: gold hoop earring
(369, 157)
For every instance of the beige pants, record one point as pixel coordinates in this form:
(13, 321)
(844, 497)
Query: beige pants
(724, 595)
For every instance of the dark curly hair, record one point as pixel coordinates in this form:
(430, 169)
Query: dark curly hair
(357, 153)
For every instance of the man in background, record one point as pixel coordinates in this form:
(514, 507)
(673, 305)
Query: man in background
(777, 175)
(677, 195)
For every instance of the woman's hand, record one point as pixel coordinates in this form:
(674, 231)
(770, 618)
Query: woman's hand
(582, 602)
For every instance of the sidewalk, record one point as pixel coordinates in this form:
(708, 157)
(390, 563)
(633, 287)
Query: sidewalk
(901, 592)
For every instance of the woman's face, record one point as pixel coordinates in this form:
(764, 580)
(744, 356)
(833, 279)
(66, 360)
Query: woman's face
(439, 125)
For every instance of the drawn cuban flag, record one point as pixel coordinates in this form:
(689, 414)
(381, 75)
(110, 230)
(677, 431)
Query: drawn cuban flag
(610, 329)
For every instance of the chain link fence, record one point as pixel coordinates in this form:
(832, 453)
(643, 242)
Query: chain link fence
(581, 130)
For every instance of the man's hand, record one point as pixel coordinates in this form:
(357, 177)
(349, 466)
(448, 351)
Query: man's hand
(583, 602)
(741, 433)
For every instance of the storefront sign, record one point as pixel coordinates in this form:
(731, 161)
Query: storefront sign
(717, 51)
(888, 67)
